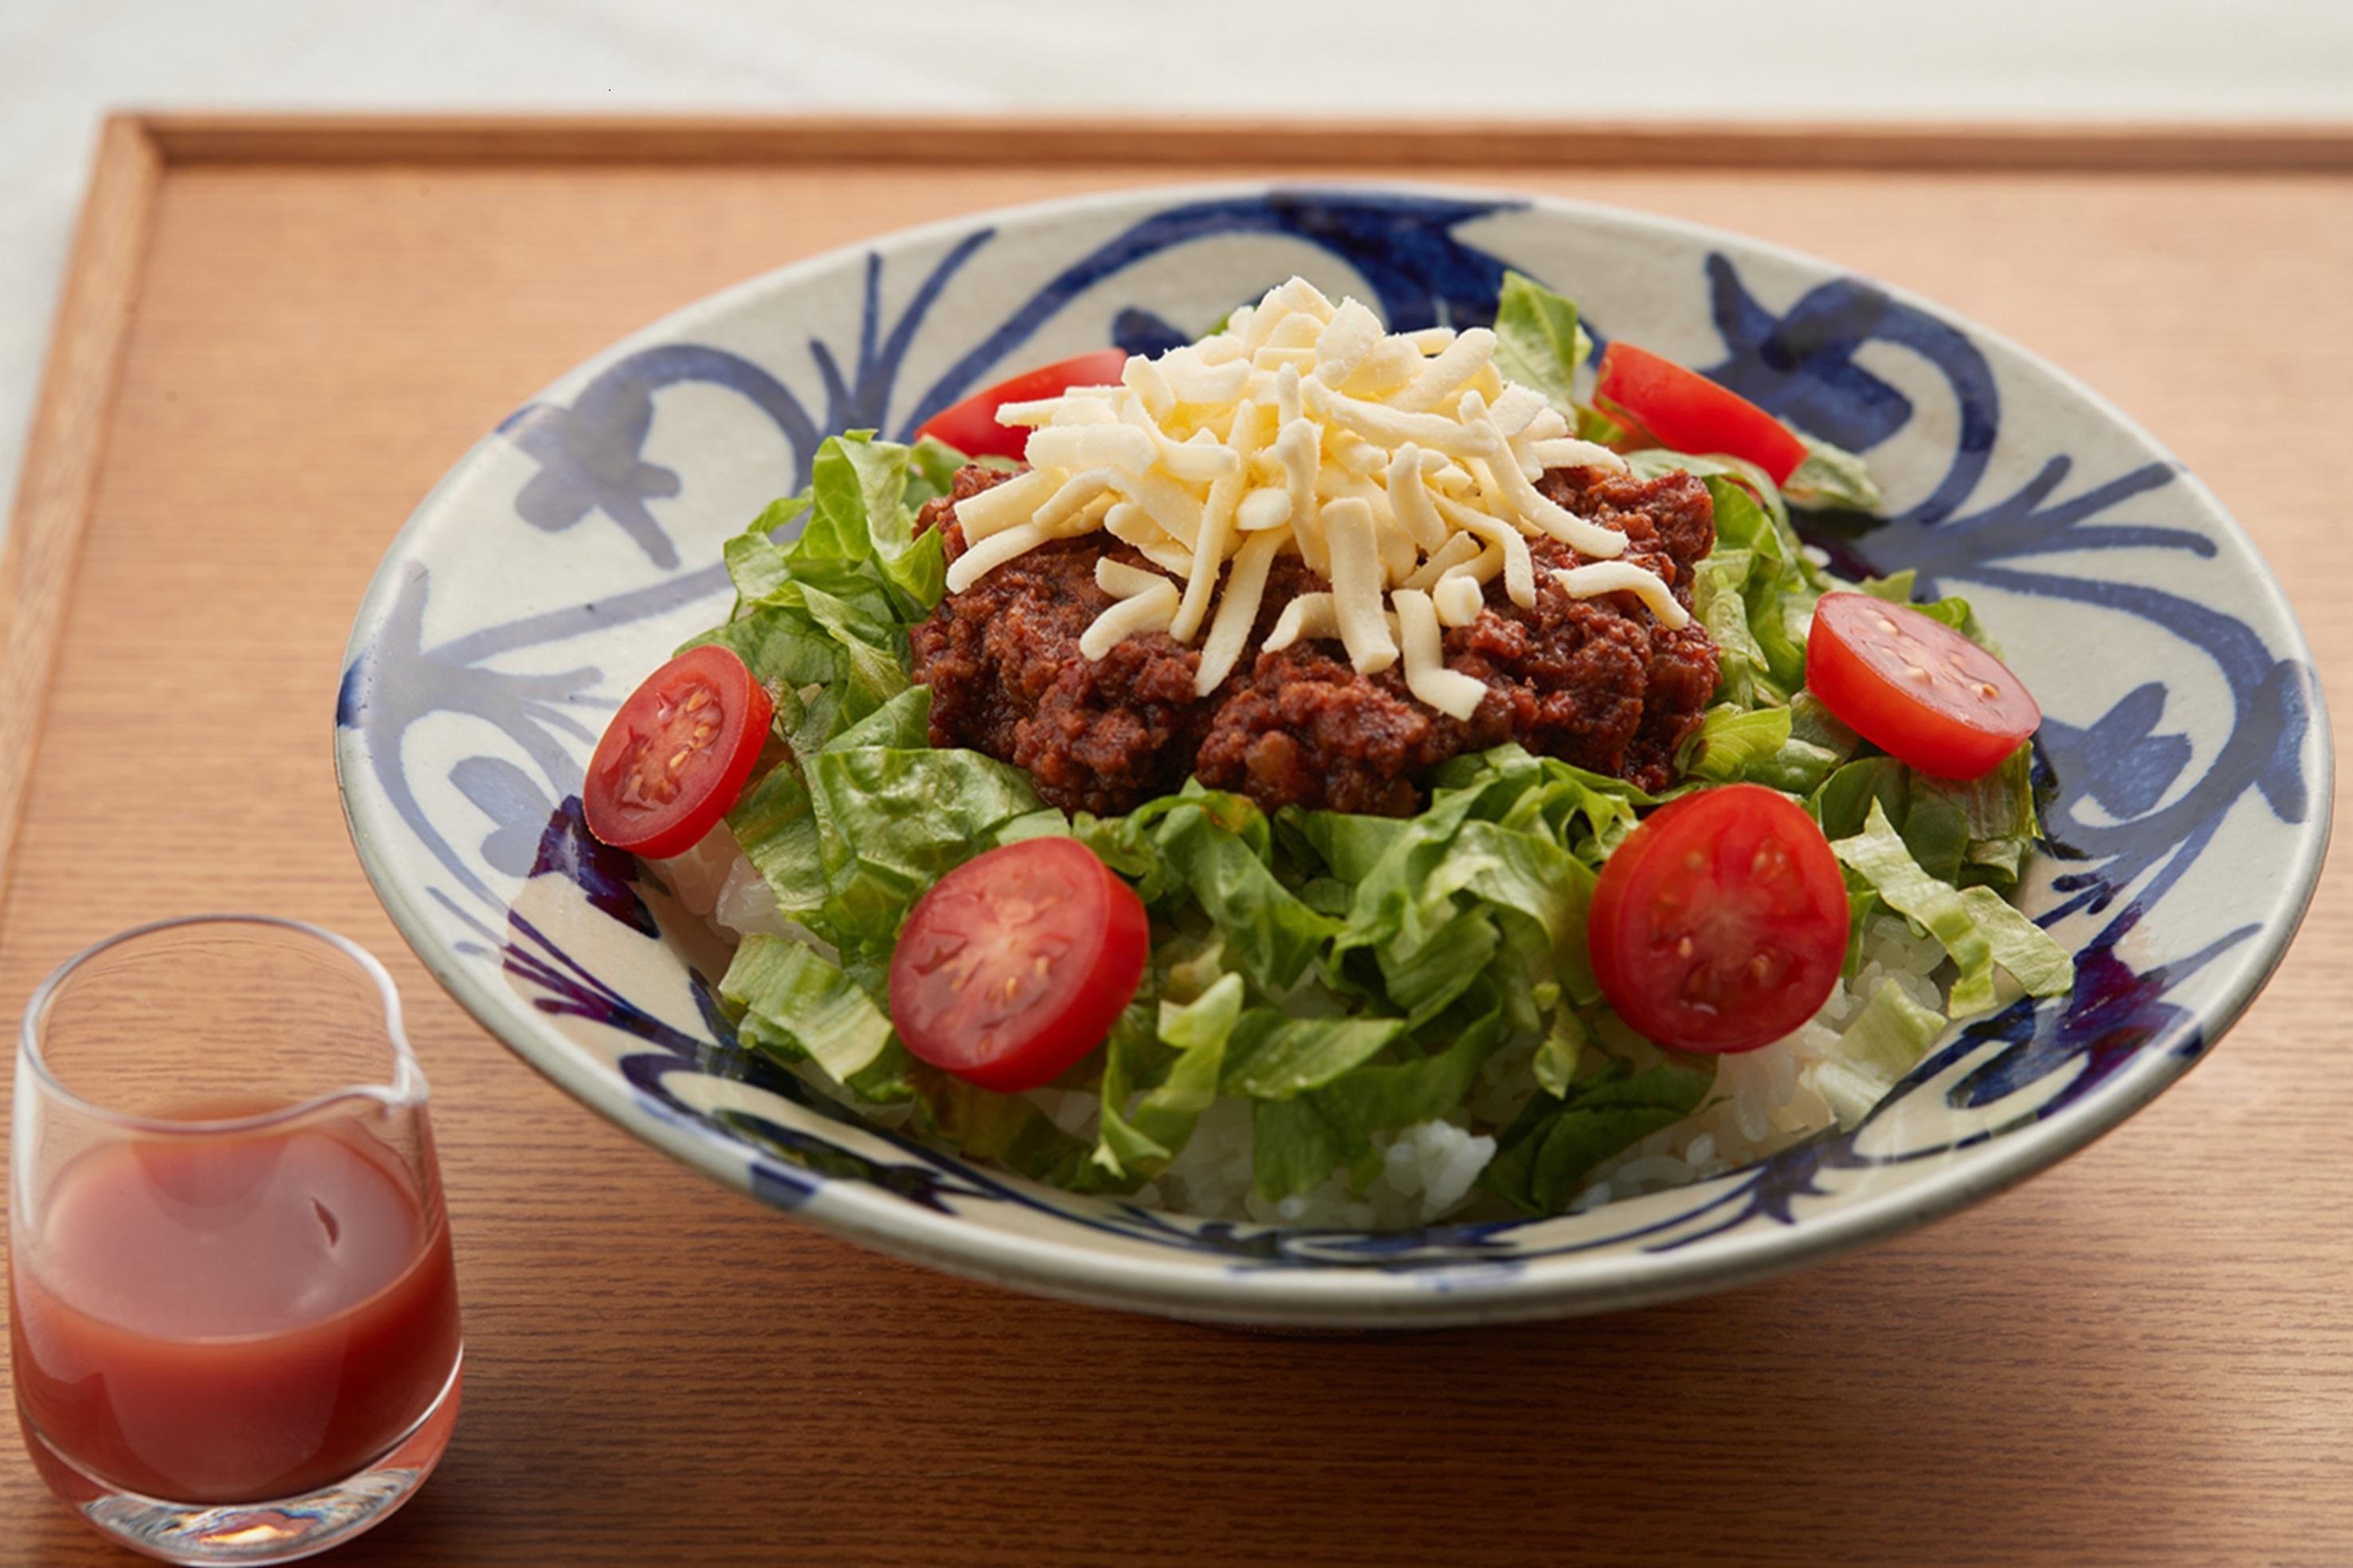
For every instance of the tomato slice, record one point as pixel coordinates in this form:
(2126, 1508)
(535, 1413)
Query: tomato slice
(675, 756)
(1684, 410)
(1720, 923)
(1916, 687)
(1016, 964)
(971, 426)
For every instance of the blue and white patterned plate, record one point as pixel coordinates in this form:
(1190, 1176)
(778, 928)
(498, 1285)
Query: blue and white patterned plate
(577, 544)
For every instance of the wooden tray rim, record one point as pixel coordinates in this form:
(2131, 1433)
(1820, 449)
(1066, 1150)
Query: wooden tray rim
(1079, 140)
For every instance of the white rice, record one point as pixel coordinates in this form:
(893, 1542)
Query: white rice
(1762, 1101)
(1766, 1099)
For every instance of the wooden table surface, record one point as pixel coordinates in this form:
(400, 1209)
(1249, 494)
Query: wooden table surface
(2143, 1356)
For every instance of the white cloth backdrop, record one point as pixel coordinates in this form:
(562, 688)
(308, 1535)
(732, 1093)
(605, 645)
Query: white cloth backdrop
(64, 62)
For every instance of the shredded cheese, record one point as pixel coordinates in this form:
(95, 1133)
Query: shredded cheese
(1426, 675)
(1519, 567)
(994, 510)
(1566, 452)
(1460, 550)
(1401, 468)
(1308, 615)
(1261, 509)
(1139, 375)
(994, 551)
(1356, 580)
(1410, 499)
(1126, 523)
(1461, 360)
(1121, 581)
(1346, 339)
(1459, 600)
(1149, 611)
(1209, 549)
(1092, 446)
(1238, 608)
(1625, 577)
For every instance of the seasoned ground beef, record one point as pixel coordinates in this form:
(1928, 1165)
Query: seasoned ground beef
(1596, 682)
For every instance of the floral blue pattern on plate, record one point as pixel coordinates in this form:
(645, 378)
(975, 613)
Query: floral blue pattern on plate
(2185, 752)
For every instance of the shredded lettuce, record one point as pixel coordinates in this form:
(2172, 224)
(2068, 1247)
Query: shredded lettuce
(828, 609)
(898, 820)
(775, 823)
(1756, 591)
(1891, 1033)
(1300, 1142)
(1278, 1058)
(798, 1005)
(860, 491)
(904, 722)
(1882, 1043)
(2033, 957)
(1544, 1155)
(1720, 601)
(1151, 1099)
(1730, 742)
(1007, 1128)
(1426, 978)
(1538, 341)
(1213, 852)
(1757, 746)
(1963, 831)
(1831, 479)
(1293, 1148)
(1561, 1052)
(1812, 720)
(1968, 928)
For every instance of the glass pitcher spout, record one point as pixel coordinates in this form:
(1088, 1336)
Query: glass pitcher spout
(398, 1083)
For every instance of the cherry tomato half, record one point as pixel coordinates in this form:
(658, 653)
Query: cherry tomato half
(675, 756)
(1916, 687)
(1016, 964)
(1720, 923)
(971, 426)
(1684, 410)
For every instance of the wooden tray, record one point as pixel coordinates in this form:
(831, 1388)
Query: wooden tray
(278, 332)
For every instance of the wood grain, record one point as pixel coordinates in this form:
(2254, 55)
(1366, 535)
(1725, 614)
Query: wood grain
(60, 472)
(1066, 140)
(2145, 1356)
